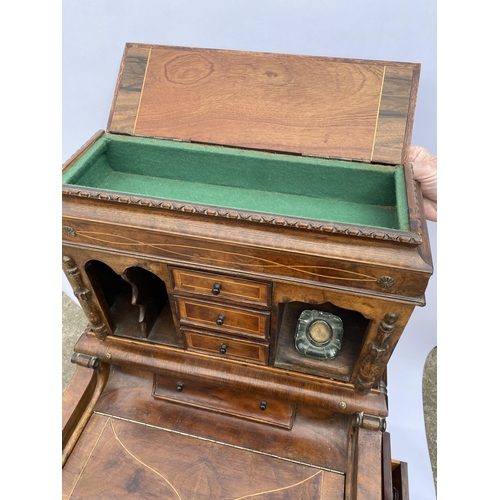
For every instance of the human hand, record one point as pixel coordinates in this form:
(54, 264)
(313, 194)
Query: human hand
(425, 172)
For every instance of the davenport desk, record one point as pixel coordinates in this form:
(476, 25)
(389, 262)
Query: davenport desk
(248, 243)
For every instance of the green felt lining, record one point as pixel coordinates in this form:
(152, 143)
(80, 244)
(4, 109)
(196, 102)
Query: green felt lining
(323, 189)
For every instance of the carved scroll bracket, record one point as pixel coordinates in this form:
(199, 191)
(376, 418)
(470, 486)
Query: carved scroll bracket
(372, 365)
(84, 296)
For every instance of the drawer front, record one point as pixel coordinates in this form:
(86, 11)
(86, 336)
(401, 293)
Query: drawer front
(227, 347)
(224, 400)
(224, 318)
(223, 287)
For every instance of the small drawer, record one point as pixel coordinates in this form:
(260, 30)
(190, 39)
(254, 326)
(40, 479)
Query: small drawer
(222, 287)
(226, 319)
(227, 347)
(224, 400)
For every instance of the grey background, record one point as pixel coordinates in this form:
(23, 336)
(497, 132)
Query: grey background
(94, 35)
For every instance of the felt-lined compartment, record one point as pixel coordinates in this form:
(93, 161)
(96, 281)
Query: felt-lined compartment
(287, 185)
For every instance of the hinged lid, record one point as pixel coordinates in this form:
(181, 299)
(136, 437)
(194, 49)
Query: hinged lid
(340, 108)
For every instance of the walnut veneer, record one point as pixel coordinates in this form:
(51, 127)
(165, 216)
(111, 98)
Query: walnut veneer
(198, 390)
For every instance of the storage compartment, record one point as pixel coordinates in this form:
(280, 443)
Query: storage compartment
(221, 287)
(228, 347)
(194, 260)
(224, 400)
(285, 185)
(224, 318)
(339, 368)
(135, 303)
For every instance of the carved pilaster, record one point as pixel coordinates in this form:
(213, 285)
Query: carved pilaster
(84, 296)
(372, 365)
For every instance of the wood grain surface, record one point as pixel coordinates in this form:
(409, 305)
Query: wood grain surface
(341, 108)
(116, 460)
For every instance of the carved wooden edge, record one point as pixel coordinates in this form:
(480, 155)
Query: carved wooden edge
(102, 373)
(405, 237)
(372, 366)
(84, 296)
(81, 151)
(76, 397)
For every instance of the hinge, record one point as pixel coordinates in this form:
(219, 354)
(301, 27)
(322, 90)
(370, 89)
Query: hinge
(334, 158)
(85, 360)
(174, 139)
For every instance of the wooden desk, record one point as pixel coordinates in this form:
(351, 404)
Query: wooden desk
(195, 265)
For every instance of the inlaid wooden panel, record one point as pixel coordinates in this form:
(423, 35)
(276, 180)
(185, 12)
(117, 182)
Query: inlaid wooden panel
(222, 287)
(227, 347)
(122, 459)
(318, 436)
(129, 90)
(279, 102)
(392, 126)
(281, 255)
(231, 319)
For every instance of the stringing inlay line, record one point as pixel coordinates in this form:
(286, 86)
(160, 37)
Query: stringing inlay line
(378, 114)
(270, 263)
(142, 90)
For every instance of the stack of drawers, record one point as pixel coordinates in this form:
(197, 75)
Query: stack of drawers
(223, 315)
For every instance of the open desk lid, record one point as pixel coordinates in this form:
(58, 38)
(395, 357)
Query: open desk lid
(319, 106)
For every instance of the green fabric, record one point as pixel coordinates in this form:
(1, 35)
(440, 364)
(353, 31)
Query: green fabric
(323, 189)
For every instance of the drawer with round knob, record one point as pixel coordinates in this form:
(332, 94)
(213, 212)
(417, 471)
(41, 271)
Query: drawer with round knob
(246, 405)
(221, 287)
(224, 318)
(243, 350)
